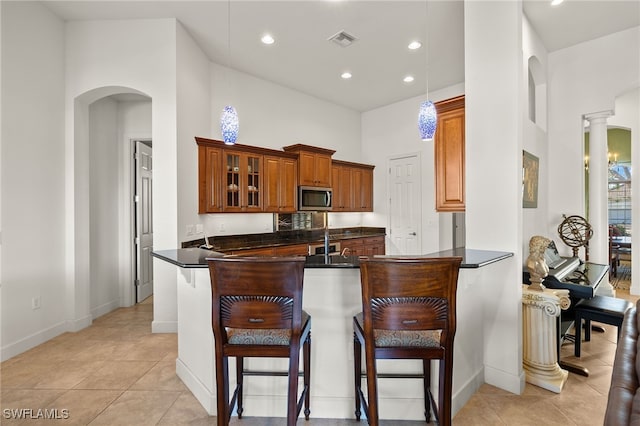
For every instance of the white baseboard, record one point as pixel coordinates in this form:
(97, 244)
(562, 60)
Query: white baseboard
(33, 340)
(206, 397)
(105, 308)
(79, 324)
(164, 326)
(462, 396)
(503, 380)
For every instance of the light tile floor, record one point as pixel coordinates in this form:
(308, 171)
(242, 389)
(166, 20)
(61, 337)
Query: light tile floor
(117, 372)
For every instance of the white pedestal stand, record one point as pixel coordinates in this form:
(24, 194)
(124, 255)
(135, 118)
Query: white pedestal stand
(540, 310)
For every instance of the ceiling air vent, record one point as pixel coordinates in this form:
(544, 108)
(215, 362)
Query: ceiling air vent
(342, 38)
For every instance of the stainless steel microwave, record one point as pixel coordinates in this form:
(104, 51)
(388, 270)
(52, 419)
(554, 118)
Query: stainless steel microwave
(312, 198)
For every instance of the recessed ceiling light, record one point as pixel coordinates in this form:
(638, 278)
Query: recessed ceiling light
(408, 79)
(346, 75)
(414, 45)
(556, 2)
(267, 39)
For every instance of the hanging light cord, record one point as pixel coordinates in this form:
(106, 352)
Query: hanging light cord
(426, 42)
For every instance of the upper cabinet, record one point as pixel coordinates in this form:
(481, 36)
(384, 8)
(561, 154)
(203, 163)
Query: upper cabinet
(280, 184)
(245, 179)
(248, 179)
(352, 186)
(449, 155)
(209, 179)
(314, 165)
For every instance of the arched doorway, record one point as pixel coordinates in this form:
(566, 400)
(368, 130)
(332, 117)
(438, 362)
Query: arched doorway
(106, 123)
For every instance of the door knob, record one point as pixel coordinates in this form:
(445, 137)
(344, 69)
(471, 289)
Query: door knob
(412, 233)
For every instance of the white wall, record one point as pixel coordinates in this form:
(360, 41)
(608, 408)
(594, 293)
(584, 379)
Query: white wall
(534, 220)
(139, 55)
(103, 210)
(495, 104)
(194, 119)
(33, 210)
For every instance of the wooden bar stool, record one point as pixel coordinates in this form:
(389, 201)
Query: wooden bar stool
(408, 312)
(605, 309)
(257, 312)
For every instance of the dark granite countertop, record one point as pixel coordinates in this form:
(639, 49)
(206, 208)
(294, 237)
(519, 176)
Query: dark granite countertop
(197, 258)
(192, 257)
(473, 258)
(226, 243)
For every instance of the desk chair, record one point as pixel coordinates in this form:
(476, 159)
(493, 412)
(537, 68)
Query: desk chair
(408, 312)
(257, 312)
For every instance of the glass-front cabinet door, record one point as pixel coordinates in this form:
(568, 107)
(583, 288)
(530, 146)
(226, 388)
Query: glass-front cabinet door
(243, 182)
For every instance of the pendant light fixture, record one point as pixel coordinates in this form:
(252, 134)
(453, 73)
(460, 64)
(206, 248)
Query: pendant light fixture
(229, 125)
(427, 116)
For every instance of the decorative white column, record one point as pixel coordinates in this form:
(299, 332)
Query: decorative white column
(598, 194)
(540, 311)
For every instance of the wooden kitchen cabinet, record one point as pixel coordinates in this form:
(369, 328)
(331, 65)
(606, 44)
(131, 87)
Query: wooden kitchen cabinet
(280, 184)
(209, 180)
(262, 251)
(243, 182)
(367, 246)
(245, 179)
(314, 165)
(292, 250)
(362, 188)
(352, 186)
(450, 155)
(341, 188)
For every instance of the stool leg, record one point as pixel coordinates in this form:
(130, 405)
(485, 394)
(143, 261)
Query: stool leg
(222, 389)
(426, 368)
(578, 337)
(240, 384)
(372, 384)
(446, 388)
(587, 330)
(357, 372)
(306, 350)
(292, 393)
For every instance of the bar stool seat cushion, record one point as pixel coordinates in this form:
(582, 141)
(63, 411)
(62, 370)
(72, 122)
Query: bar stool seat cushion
(404, 338)
(265, 336)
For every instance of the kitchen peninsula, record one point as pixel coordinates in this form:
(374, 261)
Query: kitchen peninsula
(331, 297)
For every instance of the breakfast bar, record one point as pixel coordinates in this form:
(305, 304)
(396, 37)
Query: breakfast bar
(332, 297)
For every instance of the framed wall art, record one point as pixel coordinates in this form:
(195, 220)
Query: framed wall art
(530, 169)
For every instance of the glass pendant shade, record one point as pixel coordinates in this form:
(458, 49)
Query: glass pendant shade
(229, 125)
(427, 120)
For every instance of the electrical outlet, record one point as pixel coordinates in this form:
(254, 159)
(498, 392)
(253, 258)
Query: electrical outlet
(199, 228)
(189, 229)
(35, 303)
(221, 227)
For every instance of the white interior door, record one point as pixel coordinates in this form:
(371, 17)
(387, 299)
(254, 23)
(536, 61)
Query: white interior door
(405, 205)
(144, 222)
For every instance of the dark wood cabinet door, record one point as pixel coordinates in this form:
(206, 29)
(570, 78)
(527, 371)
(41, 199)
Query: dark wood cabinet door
(366, 191)
(242, 182)
(209, 180)
(288, 186)
(280, 187)
(323, 171)
(307, 164)
(449, 155)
